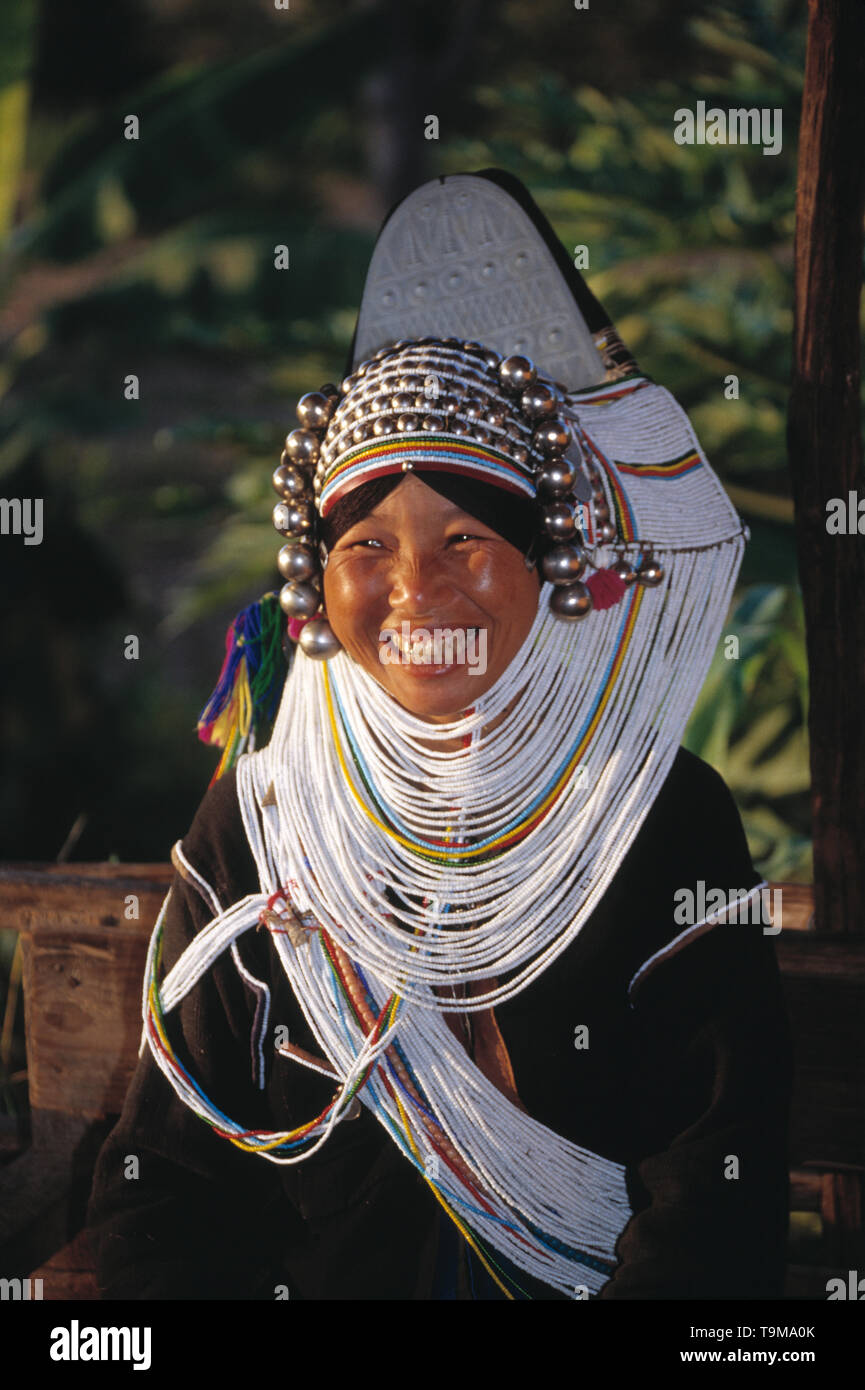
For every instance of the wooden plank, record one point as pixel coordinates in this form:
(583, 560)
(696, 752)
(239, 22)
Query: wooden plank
(842, 1218)
(797, 905)
(826, 1008)
(82, 1020)
(821, 956)
(806, 1190)
(76, 900)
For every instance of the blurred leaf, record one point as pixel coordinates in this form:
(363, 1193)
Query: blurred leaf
(209, 118)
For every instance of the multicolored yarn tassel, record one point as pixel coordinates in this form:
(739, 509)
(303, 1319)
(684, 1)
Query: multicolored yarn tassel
(242, 708)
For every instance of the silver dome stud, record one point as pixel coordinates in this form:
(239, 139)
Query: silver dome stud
(517, 374)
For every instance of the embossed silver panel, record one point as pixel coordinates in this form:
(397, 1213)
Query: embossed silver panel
(461, 259)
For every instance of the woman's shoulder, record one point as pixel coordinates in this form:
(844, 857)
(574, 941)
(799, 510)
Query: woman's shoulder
(216, 846)
(694, 864)
(695, 821)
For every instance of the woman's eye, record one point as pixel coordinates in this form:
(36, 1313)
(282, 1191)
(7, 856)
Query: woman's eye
(367, 541)
(462, 536)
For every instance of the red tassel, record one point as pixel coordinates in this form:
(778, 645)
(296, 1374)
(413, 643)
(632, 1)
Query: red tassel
(295, 627)
(606, 588)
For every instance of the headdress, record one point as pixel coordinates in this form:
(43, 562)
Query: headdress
(391, 865)
(450, 406)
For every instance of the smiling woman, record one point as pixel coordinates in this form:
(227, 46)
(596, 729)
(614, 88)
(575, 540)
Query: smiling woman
(418, 561)
(474, 1052)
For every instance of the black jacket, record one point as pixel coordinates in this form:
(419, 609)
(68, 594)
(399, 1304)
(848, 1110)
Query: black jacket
(685, 1081)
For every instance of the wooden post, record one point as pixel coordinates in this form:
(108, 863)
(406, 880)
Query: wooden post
(825, 447)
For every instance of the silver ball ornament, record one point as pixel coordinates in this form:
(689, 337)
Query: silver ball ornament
(299, 600)
(538, 402)
(314, 410)
(296, 561)
(318, 641)
(300, 517)
(555, 478)
(559, 521)
(302, 447)
(288, 482)
(517, 373)
(625, 570)
(551, 438)
(563, 565)
(571, 601)
(650, 572)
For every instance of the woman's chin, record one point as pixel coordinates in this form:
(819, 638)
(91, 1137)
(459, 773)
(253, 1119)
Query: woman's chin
(434, 692)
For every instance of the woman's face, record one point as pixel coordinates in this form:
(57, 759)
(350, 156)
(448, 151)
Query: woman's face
(419, 565)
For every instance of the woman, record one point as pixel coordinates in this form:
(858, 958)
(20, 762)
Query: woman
(422, 1018)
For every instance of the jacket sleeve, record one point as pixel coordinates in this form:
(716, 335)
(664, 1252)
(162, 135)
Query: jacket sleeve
(189, 1219)
(711, 1093)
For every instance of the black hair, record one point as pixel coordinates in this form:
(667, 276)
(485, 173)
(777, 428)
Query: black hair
(510, 516)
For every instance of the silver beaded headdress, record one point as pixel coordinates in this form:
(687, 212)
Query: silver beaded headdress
(448, 406)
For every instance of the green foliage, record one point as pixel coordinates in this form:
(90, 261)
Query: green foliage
(750, 723)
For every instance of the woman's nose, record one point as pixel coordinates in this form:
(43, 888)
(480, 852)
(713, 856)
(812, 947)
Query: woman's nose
(418, 582)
